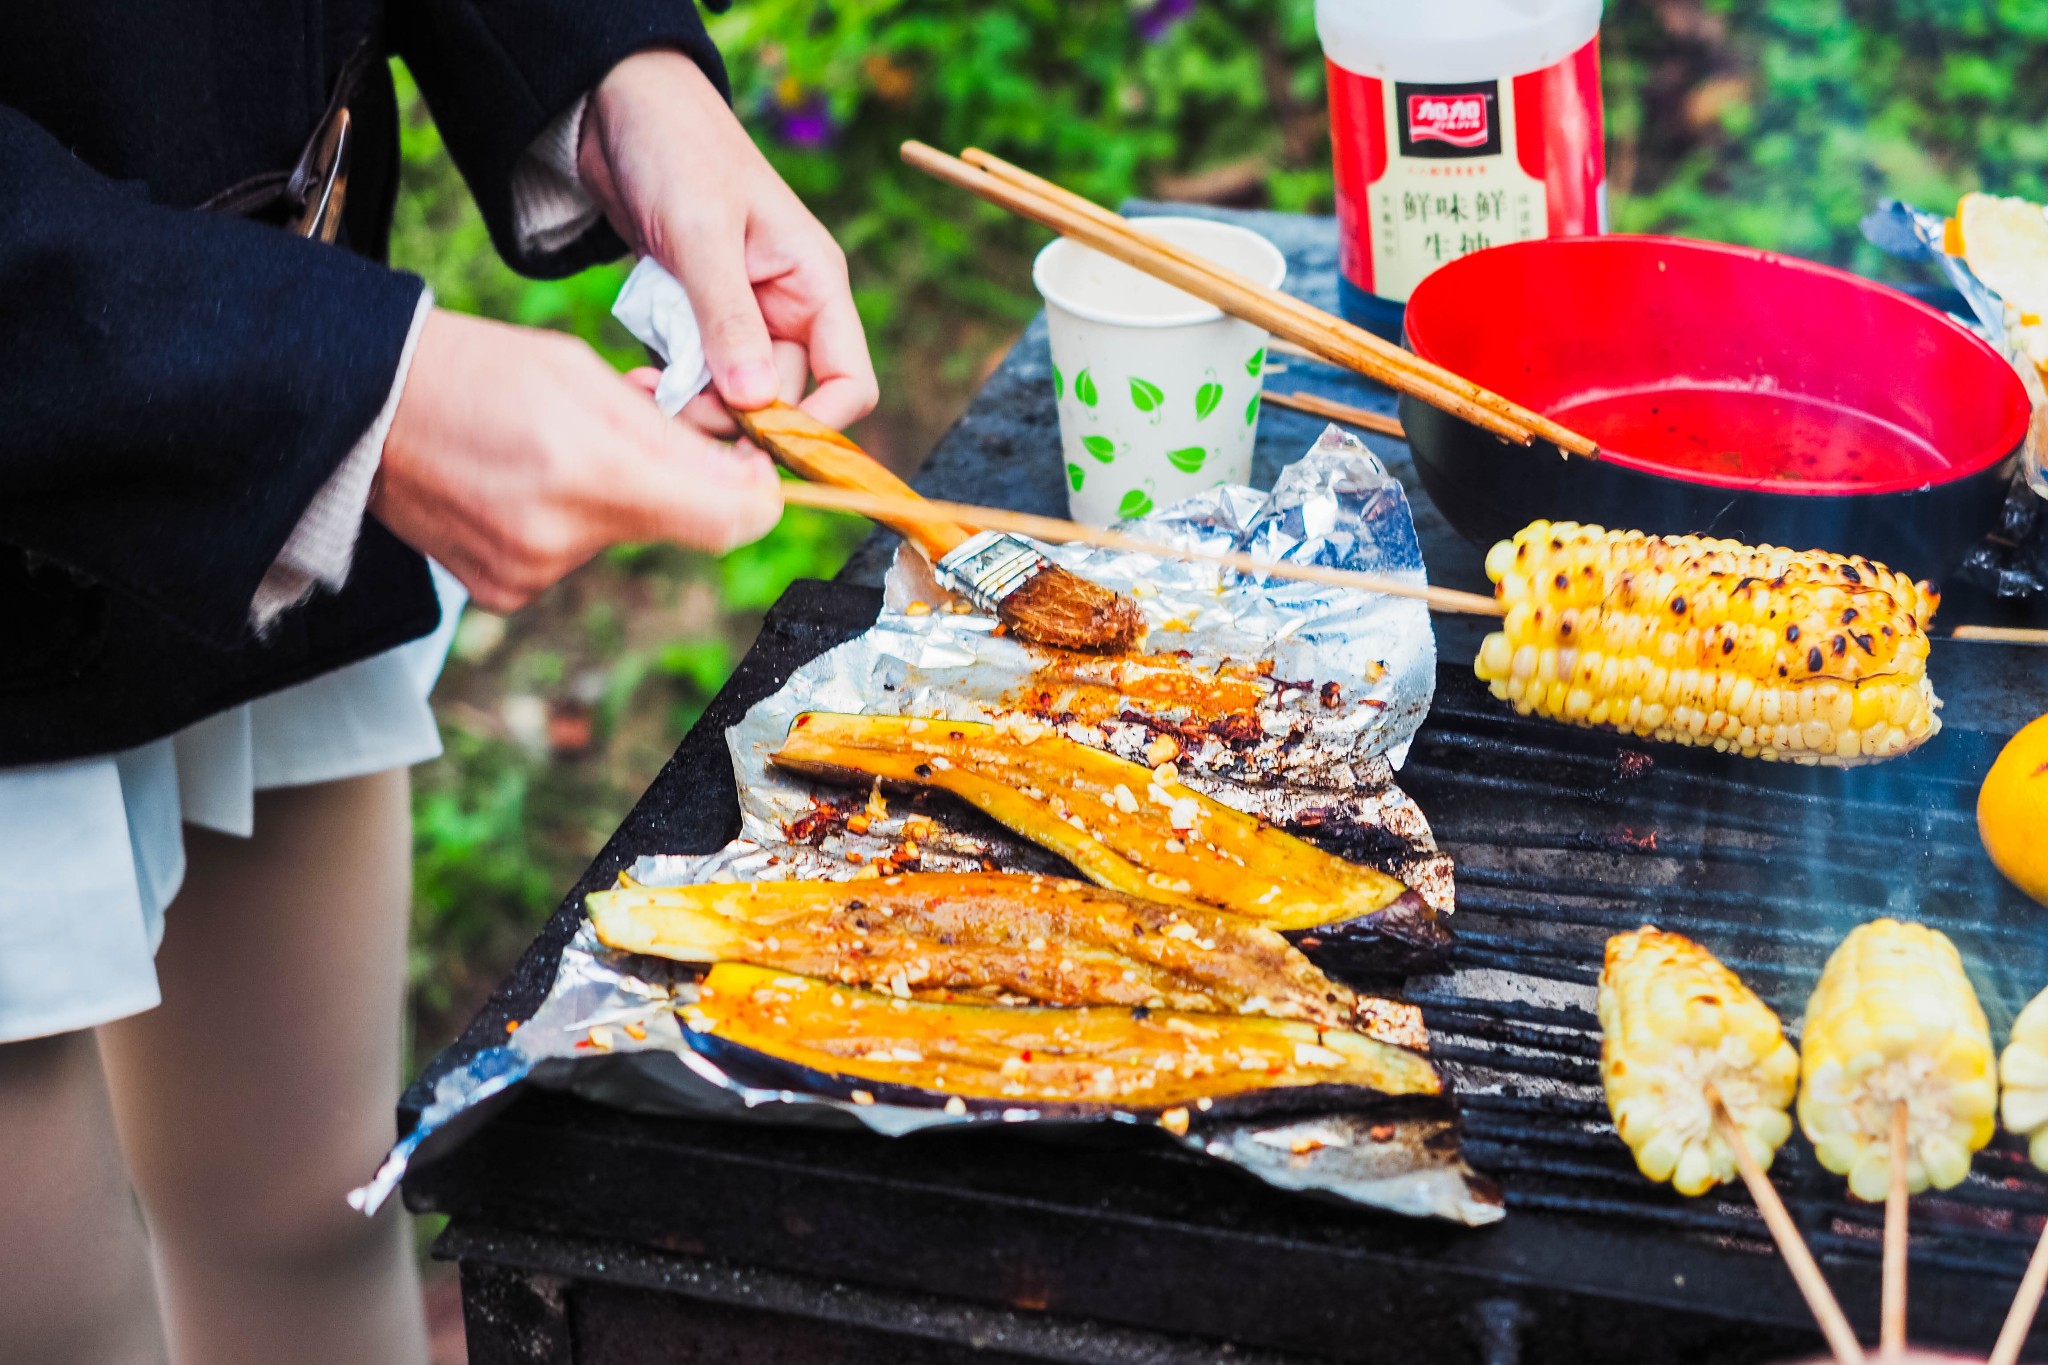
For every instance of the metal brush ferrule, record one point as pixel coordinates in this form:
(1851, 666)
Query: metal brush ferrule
(989, 566)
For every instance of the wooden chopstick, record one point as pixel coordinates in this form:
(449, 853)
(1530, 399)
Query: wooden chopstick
(1813, 1286)
(1384, 352)
(1329, 337)
(1057, 531)
(1336, 412)
(1233, 293)
(1114, 222)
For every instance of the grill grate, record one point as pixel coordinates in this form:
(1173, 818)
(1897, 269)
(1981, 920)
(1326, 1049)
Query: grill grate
(1562, 838)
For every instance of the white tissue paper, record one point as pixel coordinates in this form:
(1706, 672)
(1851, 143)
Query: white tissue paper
(655, 307)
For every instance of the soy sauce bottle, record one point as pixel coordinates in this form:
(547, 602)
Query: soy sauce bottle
(1457, 125)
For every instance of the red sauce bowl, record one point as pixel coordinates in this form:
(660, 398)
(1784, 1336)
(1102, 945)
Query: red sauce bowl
(1733, 392)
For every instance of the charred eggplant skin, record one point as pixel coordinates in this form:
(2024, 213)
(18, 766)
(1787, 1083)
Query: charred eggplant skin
(1122, 825)
(1406, 937)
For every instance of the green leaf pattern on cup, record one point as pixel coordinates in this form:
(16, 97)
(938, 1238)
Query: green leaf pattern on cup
(1136, 503)
(1146, 397)
(1074, 475)
(1084, 388)
(1251, 411)
(1059, 384)
(1188, 459)
(1257, 363)
(1208, 396)
(1101, 447)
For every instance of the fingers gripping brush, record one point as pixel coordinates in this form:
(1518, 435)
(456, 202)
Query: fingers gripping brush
(1002, 574)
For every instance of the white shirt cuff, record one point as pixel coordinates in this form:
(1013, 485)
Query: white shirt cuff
(550, 208)
(322, 546)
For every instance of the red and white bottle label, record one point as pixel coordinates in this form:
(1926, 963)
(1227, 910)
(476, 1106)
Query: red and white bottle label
(1461, 118)
(1427, 173)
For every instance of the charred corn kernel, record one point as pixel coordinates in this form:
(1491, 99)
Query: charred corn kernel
(1894, 1019)
(1674, 1021)
(2023, 1074)
(1804, 656)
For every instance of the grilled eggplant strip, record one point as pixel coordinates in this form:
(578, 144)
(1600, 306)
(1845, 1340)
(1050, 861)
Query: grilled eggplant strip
(1130, 828)
(1134, 1059)
(1051, 940)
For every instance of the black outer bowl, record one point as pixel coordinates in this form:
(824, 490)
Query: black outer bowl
(1488, 489)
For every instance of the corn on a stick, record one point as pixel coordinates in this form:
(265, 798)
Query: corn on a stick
(2023, 1072)
(1804, 657)
(2023, 1103)
(1894, 1019)
(1674, 1025)
(1699, 1076)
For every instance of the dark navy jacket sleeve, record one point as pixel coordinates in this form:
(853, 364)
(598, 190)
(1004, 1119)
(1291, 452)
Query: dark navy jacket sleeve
(176, 385)
(495, 72)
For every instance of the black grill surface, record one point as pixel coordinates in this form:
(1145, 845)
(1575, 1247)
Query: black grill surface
(1561, 838)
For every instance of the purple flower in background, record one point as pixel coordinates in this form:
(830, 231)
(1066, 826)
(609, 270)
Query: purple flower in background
(1157, 19)
(802, 120)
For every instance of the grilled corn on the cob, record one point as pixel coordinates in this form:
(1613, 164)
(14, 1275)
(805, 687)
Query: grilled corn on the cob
(1894, 1019)
(1674, 1021)
(1802, 656)
(2023, 1072)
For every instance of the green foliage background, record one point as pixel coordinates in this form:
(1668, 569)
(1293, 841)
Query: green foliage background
(1769, 122)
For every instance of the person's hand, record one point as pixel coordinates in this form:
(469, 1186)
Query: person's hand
(517, 454)
(680, 180)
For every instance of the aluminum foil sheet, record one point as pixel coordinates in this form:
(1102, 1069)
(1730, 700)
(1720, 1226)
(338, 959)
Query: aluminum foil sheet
(1350, 679)
(2013, 559)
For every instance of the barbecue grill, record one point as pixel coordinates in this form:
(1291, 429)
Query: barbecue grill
(591, 1234)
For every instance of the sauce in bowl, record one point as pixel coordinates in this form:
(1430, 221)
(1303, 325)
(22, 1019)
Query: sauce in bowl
(1744, 437)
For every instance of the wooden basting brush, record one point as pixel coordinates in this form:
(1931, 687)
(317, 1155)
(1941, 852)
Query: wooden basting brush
(1000, 573)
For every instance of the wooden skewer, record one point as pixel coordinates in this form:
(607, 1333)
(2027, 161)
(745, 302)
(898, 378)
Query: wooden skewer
(1337, 412)
(2007, 635)
(1330, 337)
(1891, 1336)
(2025, 1304)
(1827, 1311)
(885, 507)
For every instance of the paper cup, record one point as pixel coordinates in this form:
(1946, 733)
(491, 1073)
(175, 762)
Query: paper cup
(1158, 391)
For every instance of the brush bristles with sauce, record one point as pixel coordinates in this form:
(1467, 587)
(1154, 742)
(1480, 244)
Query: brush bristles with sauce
(1800, 656)
(1066, 611)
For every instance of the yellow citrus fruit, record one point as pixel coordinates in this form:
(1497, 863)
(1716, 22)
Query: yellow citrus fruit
(2012, 810)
